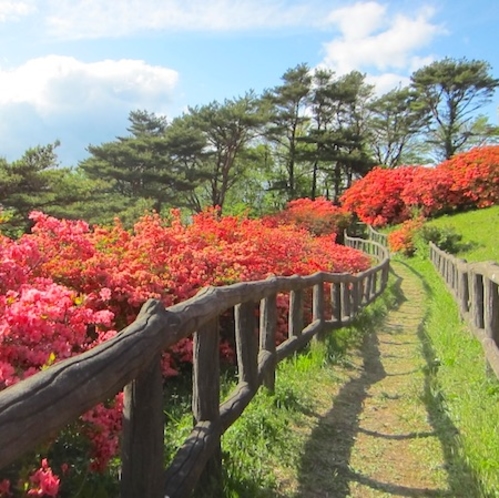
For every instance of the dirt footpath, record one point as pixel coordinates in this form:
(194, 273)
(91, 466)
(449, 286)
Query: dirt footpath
(376, 435)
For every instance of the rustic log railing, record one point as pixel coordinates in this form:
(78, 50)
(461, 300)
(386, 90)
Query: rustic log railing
(475, 287)
(33, 410)
(380, 238)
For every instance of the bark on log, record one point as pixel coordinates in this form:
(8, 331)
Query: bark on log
(268, 327)
(142, 451)
(206, 398)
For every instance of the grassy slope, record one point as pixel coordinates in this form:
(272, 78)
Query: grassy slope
(479, 228)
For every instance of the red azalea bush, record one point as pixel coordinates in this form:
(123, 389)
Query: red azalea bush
(66, 287)
(467, 180)
(319, 216)
(377, 197)
(475, 176)
(430, 192)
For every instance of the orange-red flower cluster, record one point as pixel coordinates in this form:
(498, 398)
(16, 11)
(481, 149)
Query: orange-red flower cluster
(468, 180)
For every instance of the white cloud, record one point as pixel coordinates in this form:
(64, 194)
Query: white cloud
(104, 18)
(385, 82)
(374, 40)
(61, 84)
(57, 97)
(359, 20)
(14, 9)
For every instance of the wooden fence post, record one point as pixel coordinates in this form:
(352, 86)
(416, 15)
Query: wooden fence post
(206, 396)
(491, 309)
(295, 313)
(336, 301)
(142, 450)
(318, 307)
(476, 296)
(346, 300)
(356, 296)
(246, 343)
(268, 327)
(463, 291)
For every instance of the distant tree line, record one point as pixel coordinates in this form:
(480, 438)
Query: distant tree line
(312, 135)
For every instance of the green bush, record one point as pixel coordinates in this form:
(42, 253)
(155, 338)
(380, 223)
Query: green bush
(446, 238)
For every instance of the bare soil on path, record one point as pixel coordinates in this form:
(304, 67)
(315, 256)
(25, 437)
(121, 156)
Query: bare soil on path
(374, 433)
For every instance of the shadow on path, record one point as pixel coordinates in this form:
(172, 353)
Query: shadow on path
(325, 469)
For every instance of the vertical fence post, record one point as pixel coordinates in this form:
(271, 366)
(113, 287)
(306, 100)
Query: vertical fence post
(295, 313)
(491, 309)
(318, 307)
(318, 302)
(476, 296)
(246, 343)
(345, 299)
(374, 285)
(142, 450)
(463, 291)
(356, 295)
(336, 302)
(206, 397)
(268, 327)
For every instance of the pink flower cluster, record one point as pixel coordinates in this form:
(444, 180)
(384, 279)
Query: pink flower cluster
(44, 482)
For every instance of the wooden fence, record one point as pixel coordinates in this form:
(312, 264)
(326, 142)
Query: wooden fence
(475, 287)
(42, 405)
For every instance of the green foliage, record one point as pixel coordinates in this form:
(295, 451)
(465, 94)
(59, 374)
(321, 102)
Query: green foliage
(149, 165)
(394, 126)
(228, 129)
(36, 182)
(445, 237)
(450, 91)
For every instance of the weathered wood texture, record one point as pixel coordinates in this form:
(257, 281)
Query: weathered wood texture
(142, 451)
(475, 287)
(37, 408)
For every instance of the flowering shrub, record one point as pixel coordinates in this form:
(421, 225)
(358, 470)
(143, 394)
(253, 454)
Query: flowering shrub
(66, 287)
(475, 176)
(319, 217)
(376, 198)
(403, 239)
(467, 180)
(44, 482)
(430, 192)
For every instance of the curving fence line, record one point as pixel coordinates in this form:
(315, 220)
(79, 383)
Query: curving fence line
(475, 287)
(33, 410)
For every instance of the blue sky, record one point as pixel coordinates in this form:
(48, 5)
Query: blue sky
(72, 70)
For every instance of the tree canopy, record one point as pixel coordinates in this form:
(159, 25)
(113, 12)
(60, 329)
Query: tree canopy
(451, 91)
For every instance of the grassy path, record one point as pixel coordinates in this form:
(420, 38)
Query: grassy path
(377, 432)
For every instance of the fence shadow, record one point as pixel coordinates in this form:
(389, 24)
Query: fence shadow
(439, 419)
(325, 469)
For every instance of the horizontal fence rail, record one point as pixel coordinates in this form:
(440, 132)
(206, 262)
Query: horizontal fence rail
(40, 406)
(475, 287)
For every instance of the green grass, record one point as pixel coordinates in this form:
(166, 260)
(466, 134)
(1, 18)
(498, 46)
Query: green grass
(480, 230)
(462, 387)
(462, 391)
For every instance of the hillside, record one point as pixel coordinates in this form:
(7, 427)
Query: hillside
(480, 230)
